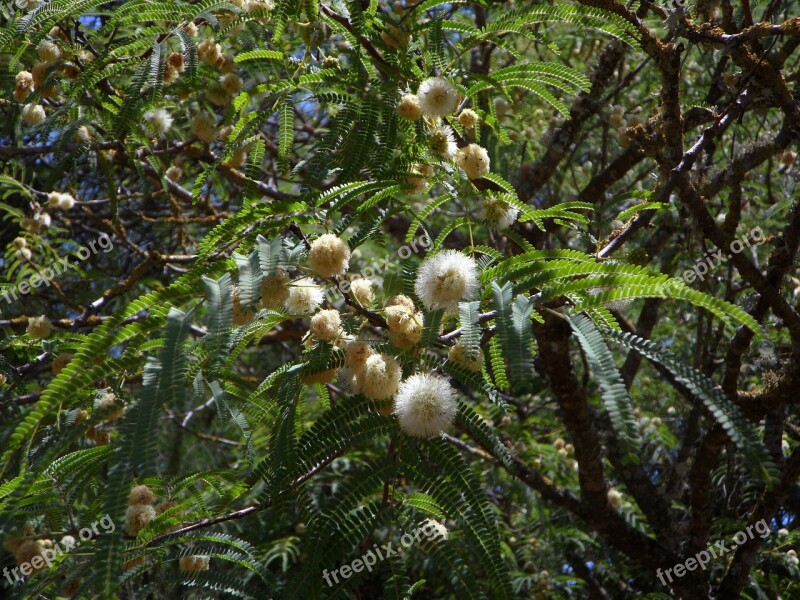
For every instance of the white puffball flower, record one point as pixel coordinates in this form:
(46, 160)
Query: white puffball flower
(437, 97)
(329, 256)
(408, 107)
(39, 327)
(304, 297)
(48, 52)
(499, 212)
(615, 498)
(33, 114)
(425, 405)
(474, 160)
(159, 120)
(445, 279)
(204, 127)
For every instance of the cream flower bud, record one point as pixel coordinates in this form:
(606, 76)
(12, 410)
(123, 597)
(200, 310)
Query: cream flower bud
(379, 378)
(356, 354)
(171, 74)
(3, 379)
(23, 85)
(137, 517)
(321, 377)
(425, 405)
(329, 256)
(33, 114)
(20, 242)
(468, 118)
(141, 494)
(434, 533)
(304, 297)
(408, 107)
(191, 564)
(445, 279)
(418, 180)
(361, 290)
(174, 173)
(231, 83)
(209, 51)
(66, 201)
(59, 362)
(459, 356)
(39, 327)
(191, 29)
(159, 120)
(204, 127)
(27, 551)
(217, 95)
(474, 160)
(437, 98)
(326, 325)
(615, 498)
(48, 52)
(53, 199)
(405, 325)
(177, 60)
(241, 316)
(23, 254)
(274, 289)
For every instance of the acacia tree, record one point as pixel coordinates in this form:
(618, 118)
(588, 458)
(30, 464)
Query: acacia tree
(287, 284)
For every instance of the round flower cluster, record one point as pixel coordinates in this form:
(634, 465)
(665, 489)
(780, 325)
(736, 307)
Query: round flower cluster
(61, 201)
(445, 279)
(39, 327)
(425, 405)
(405, 324)
(329, 256)
(378, 378)
(459, 355)
(33, 114)
(140, 509)
(23, 253)
(474, 160)
(361, 291)
(326, 325)
(204, 127)
(437, 97)
(304, 297)
(191, 564)
(274, 289)
(500, 213)
(159, 120)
